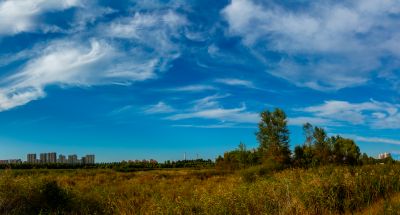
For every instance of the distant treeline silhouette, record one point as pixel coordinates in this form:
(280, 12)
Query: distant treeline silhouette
(124, 166)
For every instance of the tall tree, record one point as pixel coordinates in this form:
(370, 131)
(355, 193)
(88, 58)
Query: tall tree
(308, 131)
(242, 155)
(303, 154)
(322, 147)
(273, 136)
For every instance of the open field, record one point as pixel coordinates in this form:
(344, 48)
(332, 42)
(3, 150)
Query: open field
(330, 189)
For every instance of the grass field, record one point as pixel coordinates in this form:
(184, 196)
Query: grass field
(325, 190)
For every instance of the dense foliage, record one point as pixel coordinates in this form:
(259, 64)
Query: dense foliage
(274, 152)
(273, 136)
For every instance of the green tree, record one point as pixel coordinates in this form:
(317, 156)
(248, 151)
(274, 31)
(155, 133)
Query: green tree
(322, 147)
(243, 155)
(298, 158)
(345, 150)
(303, 154)
(365, 159)
(308, 131)
(238, 158)
(273, 136)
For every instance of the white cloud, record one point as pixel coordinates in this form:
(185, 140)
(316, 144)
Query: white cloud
(21, 15)
(375, 114)
(373, 139)
(72, 63)
(154, 31)
(220, 125)
(193, 88)
(327, 45)
(106, 59)
(235, 82)
(61, 63)
(22, 55)
(160, 107)
(13, 98)
(210, 108)
(208, 102)
(121, 110)
(141, 23)
(238, 115)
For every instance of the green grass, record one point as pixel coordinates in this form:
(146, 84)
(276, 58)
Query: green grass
(324, 190)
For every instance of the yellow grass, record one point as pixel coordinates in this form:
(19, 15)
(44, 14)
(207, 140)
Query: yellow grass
(325, 190)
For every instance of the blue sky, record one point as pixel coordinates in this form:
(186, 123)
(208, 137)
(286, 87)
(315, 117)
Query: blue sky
(155, 79)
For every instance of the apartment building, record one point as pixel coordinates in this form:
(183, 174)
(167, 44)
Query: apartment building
(73, 159)
(62, 159)
(384, 155)
(31, 158)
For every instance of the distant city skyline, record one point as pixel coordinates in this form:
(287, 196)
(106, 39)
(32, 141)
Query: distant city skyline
(90, 158)
(51, 157)
(139, 79)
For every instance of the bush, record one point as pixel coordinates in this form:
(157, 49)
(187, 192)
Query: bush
(252, 173)
(52, 198)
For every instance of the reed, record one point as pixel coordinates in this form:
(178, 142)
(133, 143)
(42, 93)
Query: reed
(323, 190)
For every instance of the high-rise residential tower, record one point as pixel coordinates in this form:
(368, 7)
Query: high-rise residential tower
(62, 159)
(51, 157)
(88, 159)
(31, 158)
(43, 157)
(72, 159)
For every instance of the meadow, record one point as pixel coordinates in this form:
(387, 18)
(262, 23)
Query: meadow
(368, 189)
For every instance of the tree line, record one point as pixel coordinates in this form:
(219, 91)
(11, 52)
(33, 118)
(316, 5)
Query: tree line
(273, 152)
(274, 149)
(124, 166)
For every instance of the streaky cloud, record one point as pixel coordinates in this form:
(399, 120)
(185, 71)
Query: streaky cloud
(160, 107)
(237, 115)
(375, 114)
(193, 88)
(91, 58)
(235, 82)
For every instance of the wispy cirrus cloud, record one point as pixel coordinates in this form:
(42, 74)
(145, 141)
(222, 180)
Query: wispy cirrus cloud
(210, 108)
(152, 31)
(235, 82)
(239, 115)
(208, 101)
(377, 140)
(160, 107)
(375, 114)
(98, 60)
(72, 64)
(319, 44)
(206, 108)
(143, 23)
(193, 88)
(373, 139)
(62, 62)
(221, 125)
